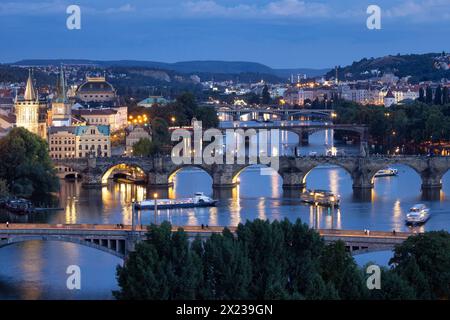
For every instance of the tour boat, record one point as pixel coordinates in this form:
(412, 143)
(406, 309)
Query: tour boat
(418, 214)
(388, 172)
(19, 206)
(129, 178)
(199, 200)
(320, 197)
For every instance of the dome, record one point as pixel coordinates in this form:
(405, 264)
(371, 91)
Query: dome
(95, 85)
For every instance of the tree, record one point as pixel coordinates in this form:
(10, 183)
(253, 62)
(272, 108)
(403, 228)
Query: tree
(429, 95)
(445, 95)
(160, 132)
(227, 272)
(208, 116)
(393, 287)
(421, 95)
(344, 273)
(4, 190)
(424, 262)
(438, 96)
(145, 148)
(265, 95)
(25, 164)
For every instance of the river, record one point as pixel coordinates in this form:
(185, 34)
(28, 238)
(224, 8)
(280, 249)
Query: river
(37, 269)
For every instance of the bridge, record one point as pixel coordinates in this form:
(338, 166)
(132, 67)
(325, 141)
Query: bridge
(281, 113)
(160, 170)
(303, 131)
(120, 241)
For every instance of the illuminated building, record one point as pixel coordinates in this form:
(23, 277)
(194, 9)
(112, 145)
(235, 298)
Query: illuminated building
(31, 112)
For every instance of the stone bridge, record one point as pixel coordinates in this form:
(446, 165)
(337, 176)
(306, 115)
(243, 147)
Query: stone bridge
(303, 131)
(293, 170)
(283, 114)
(120, 241)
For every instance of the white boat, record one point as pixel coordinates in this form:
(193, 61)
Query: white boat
(388, 172)
(320, 197)
(418, 214)
(199, 200)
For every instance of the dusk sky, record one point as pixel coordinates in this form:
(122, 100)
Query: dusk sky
(279, 33)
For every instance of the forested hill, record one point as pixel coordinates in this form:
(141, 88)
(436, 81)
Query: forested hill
(421, 67)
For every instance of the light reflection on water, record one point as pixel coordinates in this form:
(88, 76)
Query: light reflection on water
(36, 269)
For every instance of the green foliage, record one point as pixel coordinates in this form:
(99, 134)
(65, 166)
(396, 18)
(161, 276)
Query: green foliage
(424, 261)
(404, 126)
(145, 148)
(265, 95)
(160, 131)
(344, 273)
(263, 260)
(393, 287)
(25, 164)
(4, 189)
(418, 66)
(181, 112)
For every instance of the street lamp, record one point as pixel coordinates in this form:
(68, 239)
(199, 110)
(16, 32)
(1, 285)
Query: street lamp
(155, 196)
(133, 218)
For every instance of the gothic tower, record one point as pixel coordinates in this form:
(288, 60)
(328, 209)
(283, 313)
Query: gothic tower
(31, 111)
(61, 109)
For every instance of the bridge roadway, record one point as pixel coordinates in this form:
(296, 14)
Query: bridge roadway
(119, 241)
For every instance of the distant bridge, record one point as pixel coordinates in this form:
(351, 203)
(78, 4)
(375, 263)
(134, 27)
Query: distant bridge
(303, 131)
(121, 241)
(281, 113)
(293, 170)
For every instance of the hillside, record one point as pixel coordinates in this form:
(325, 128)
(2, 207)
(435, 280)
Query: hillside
(421, 67)
(205, 67)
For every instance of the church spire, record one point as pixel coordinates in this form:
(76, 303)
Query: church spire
(30, 94)
(61, 86)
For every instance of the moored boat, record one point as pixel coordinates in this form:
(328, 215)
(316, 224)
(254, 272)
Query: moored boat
(19, 206)
(418, 214)
(199, 200)
(321, 198)
(388, 172)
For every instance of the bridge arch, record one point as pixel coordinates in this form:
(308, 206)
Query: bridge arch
(121, 166)
(172, 174)
(237, 172)
(116, 247)
(330, 162)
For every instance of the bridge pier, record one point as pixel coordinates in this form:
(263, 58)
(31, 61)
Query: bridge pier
(293, 180)
(92, 180)
(159, 180)
(304, 138)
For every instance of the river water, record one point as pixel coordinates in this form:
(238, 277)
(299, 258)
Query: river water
(37, 269)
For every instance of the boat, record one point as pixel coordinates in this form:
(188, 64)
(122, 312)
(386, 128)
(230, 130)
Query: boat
(128, 178)
(19, 206)
(321, 198)
(418, 214)
(199, 200)
(388, 172)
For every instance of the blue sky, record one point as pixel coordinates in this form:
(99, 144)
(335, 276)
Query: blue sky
(279, 33)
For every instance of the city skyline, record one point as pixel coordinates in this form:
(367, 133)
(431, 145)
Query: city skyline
(277, 33)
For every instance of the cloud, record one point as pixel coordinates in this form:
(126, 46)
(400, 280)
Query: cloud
(122, 9)
(428, 10)
(281, 8)
(36, 8)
